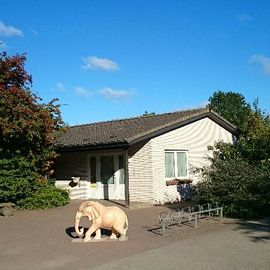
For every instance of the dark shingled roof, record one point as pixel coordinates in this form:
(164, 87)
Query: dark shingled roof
(132, 130)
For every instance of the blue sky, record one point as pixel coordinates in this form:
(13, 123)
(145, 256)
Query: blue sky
(116, 59)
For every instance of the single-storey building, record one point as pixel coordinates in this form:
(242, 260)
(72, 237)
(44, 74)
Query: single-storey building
(146, 158)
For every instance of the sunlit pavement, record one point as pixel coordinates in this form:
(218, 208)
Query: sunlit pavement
(42, 240)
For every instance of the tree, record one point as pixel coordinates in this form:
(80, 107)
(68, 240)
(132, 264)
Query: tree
(239, 175)
(233, 107)
(27, 131)
(27, 127)
(242, 188)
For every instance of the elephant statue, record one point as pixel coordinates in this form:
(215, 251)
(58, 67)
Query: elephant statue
(105, 217)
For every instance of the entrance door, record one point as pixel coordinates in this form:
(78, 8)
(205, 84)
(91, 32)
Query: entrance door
(121, 178)
(107, 176)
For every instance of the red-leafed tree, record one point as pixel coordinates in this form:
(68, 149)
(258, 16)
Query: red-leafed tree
(27, 128)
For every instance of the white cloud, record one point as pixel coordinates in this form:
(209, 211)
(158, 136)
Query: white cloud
(60, 87)
(9, 30)
(263, 61)
(82, 92)
(35, 32)
(93, 62)
(242, 18)
(203, 103)
(116, 95)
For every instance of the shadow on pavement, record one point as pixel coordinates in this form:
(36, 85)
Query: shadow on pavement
(257, 231)
(70, 231)
(179, 205)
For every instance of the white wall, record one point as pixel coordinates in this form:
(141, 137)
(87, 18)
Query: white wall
(147, 166)
(79, 192)
(140, 173)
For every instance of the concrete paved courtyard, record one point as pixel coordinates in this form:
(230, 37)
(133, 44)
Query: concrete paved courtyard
(42, 240)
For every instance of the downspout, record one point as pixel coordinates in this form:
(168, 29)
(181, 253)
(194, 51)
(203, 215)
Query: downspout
(127, 200)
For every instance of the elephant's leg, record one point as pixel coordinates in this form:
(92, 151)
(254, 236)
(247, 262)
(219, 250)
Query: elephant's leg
(98, 234)
(121, 231)
(113, 235)
(88, 234)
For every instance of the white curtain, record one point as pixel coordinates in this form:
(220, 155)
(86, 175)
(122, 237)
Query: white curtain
(182, 164)
(169, 165)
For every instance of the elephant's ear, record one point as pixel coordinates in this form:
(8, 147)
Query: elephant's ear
(93, 212)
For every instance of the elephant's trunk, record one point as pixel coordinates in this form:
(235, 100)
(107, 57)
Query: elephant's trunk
(77, 223)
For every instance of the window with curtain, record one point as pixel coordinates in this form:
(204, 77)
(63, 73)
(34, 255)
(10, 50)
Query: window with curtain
(176, 165)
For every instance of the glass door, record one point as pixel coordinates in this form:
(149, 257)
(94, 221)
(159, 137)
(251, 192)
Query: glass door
(106, 170)
(107, 176)
(121, 178)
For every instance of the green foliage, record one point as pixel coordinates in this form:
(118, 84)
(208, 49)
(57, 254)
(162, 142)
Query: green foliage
(255, 145)
(17, 179)
(238, 176)
(232, 182)
(27, 126)
(232, 106)
(27, 130)
(46, 196)
(20, 184)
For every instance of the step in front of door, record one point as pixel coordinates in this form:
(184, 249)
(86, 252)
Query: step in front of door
(79, 193)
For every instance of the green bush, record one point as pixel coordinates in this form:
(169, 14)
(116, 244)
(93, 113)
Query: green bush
(242, 189)
(20, 184)
(17, 179)
(46, 196)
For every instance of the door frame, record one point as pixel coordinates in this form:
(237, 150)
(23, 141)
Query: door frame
(115, 188)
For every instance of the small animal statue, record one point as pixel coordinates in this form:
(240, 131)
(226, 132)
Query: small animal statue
(105, 217)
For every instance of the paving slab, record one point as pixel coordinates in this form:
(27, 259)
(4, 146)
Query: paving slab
(41, 239)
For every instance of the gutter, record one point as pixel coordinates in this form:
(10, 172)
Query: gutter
(76, 148)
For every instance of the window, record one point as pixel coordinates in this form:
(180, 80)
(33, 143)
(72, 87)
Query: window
(176, 165)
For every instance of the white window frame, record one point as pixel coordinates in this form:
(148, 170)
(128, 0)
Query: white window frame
(175, 163)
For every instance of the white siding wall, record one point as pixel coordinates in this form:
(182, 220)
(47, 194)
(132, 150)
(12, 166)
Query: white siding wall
(72, 164)
(140, 173)
(195, 138)
(78, 192)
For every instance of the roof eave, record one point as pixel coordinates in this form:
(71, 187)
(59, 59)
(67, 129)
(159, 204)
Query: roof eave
(131, 141)
(91, 147)
(222, 122)
(212, 115)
